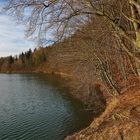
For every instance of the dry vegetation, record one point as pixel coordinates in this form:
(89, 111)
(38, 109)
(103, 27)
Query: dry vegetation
(120, 121)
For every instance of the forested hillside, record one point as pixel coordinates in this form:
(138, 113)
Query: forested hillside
(24, 62)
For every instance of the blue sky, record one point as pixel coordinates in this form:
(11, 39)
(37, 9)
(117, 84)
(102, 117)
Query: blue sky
(12, 36)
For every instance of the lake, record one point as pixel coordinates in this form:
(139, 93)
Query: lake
(38, 107)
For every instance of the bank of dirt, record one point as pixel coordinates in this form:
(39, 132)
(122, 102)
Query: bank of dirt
(119, 121)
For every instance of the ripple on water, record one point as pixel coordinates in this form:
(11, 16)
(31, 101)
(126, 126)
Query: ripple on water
(36, 107)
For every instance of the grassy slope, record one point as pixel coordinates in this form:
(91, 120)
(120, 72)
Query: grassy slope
(120, 121)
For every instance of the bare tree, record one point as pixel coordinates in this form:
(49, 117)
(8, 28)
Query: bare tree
(63, 18)
(66, 15)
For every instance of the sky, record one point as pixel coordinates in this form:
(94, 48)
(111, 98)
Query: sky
(12, 36)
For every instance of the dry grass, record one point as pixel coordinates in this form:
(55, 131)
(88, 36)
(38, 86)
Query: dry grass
(120, 121)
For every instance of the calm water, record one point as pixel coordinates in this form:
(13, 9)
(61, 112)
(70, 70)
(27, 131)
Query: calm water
(38, 107)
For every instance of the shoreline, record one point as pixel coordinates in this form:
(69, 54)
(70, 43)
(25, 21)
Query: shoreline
(61, 74)
(116, 116)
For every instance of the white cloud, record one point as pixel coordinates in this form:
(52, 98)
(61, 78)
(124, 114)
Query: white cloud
(12, 39)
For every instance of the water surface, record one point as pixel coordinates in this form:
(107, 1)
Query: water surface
(38, 107)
